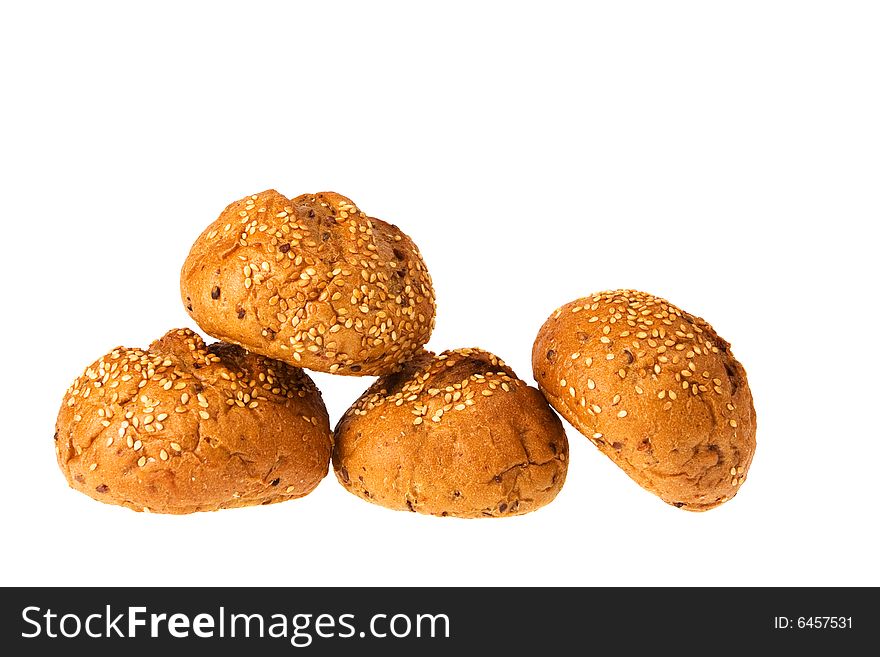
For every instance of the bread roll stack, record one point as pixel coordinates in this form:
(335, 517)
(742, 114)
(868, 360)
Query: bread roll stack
(313, 282)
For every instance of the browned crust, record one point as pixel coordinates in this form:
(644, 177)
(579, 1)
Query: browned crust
(655, 389)
(452, 435)
(311, 281)
(183, 427)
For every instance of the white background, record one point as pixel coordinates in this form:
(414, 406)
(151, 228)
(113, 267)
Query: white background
(723, 155)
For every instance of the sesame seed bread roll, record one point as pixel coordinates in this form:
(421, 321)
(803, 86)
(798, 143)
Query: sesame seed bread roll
(452, 435)
(312, 281)
(183, 427)
(655, 389)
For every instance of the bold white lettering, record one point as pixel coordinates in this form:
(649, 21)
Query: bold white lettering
(178, 626)
(134, 621)
(203, 626)
(154, 623)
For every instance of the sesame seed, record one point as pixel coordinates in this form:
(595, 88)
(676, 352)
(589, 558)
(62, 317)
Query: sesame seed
(204, 415)
(142, 461)
(621, 414)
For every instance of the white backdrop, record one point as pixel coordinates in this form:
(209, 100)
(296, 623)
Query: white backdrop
(723, 155)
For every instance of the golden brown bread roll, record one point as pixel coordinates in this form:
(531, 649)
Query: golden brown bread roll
(655, 389)
(312, 281)
(181, 427)
(452, 435)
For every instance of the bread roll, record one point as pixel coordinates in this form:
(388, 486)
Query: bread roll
(181, 427)
(452, 435)
(312, 281)
(655, 389)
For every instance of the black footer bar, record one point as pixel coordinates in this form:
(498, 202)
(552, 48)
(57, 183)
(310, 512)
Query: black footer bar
(434, 620)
